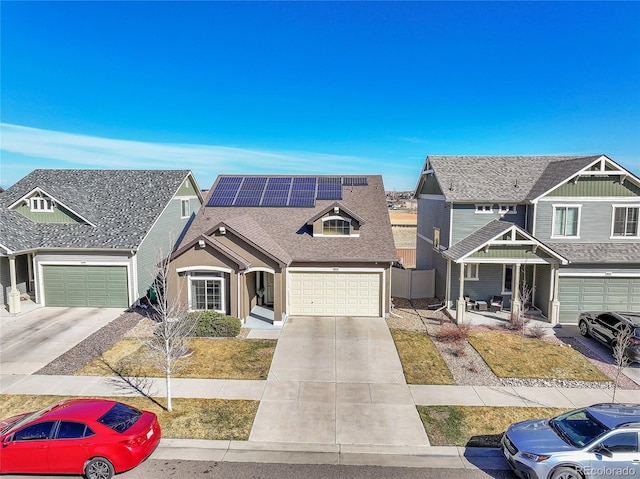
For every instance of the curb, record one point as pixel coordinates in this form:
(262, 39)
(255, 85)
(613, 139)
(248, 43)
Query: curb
(448, 457)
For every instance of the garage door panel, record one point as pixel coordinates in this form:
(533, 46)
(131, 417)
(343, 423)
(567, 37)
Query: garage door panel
(94, 286)
(335, 294)
(597, 294)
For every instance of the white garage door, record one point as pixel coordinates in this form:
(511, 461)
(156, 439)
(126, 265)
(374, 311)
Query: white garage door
(597, 294)
(335, 294)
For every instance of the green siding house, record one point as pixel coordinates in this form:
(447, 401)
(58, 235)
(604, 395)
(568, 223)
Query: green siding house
(90, 237)
(566, 227)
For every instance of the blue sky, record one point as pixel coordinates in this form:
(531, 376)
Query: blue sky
(314, 88)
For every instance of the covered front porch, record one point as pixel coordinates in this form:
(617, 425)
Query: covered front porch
(500, 268)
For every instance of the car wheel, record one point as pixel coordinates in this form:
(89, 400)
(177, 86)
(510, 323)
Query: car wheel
(566, 473)
(98, 468)
(584, 329)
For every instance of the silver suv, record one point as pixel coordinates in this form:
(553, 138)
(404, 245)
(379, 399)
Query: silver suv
(599, 441)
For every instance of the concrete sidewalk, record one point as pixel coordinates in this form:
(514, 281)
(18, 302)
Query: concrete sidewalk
(255, 390)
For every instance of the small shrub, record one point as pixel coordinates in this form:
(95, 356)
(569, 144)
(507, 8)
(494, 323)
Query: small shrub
(215, 325)
(458, 349)
(537, 331)
(450, 333)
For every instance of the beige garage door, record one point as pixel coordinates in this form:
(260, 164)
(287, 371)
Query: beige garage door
(335, 294)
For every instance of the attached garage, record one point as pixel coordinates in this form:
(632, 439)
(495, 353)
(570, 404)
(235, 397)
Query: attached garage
(91, 286)
(597, 294)
(335, 294)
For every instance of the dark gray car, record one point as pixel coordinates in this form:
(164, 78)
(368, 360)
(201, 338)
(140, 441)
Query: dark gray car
(596, 442)
(606, 326)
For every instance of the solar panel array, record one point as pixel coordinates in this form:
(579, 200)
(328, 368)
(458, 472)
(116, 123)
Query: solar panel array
(292, 191)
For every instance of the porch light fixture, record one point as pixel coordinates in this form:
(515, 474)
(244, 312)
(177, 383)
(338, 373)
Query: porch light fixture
(201, 243)
(223, 230)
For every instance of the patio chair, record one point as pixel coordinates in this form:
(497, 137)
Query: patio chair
(470, 304)
(495, 304)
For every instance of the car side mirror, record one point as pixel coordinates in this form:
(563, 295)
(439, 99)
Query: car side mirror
(602, 450)
(7, 440)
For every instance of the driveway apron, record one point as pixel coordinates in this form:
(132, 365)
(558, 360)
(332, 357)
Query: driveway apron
(337, 381)
(31, 341)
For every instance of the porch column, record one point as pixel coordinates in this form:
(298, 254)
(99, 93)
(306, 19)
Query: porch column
(14, 294)
(460, 304)
(554, 306)
(515, 298)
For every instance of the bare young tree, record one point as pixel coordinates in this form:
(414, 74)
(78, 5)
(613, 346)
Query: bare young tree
(169, 346)
(623, 340)
(518, 319)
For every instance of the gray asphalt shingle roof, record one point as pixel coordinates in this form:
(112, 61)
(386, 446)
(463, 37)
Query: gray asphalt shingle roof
(283, 231)
(122, 204)
(508, 179)
(477, 239)
(599, 252)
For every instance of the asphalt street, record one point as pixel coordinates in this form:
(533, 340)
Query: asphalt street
(179, 469)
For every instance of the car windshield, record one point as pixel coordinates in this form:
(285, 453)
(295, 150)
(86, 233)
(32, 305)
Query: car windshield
(19, 421)
(578, 428)
(120, 417)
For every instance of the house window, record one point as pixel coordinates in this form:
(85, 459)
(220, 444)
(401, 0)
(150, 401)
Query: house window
(507, 209)
(565, 220)
(335, 227)
(507, 278)
(41, 204)
(484, 208)
(625, 221)
(185, 208)
(436, 239)
(471, 271)
(207, 292)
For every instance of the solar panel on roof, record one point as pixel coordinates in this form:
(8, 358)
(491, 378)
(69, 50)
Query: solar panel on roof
(276, 192)
(329, 188)
(225, 191)
(355, 181)
(303, 192)
(250, 191)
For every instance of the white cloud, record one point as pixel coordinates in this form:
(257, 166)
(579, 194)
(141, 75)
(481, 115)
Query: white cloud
(76, 150)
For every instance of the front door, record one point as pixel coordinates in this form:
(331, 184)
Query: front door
(269, 288)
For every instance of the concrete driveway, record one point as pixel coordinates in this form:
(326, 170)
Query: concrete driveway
(603, 352)
(337, 381)
(32, 340)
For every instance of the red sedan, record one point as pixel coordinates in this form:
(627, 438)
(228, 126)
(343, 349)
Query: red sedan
(93, 437)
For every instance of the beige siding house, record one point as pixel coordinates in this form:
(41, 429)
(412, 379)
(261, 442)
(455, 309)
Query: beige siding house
(279, 246)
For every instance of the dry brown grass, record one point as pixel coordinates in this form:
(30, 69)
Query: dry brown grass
(227, 358)
(513, 356)
(421, 361)
(216, 419)
(478, 426)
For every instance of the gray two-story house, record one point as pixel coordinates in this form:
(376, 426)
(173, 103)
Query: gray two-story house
(564, 229)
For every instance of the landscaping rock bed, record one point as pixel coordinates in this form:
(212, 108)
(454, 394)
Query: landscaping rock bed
(464, 362)
(467, 366)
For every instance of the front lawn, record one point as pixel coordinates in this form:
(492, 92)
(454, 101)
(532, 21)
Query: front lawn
(421, 361)
(217, 358)
(512, 356)
(215, 419)
(475, 426)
